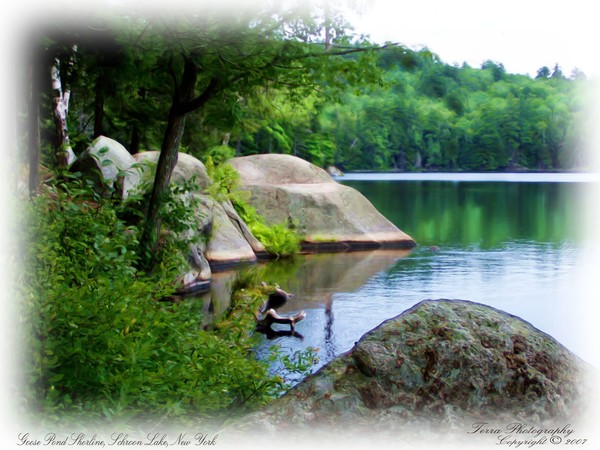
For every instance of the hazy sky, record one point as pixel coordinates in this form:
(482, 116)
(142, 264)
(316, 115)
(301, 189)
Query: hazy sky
(524, 35)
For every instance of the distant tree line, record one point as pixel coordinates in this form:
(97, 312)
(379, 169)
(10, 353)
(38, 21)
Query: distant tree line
(393, 109)
(431, 116)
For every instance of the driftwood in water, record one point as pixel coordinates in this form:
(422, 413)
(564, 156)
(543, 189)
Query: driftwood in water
(271, 317)
(268, 316)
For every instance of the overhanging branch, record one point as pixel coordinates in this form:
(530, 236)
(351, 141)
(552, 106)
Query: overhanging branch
(211, 89)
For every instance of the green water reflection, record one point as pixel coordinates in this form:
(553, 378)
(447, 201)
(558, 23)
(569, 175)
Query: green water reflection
(486, 215)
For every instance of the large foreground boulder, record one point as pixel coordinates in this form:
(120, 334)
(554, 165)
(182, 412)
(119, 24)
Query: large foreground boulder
(287, 189)
(447, 362)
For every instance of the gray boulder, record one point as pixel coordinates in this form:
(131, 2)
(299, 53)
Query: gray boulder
(226, 245)
(187, 167)
(107, 163)
(329, 215)
(240, 225)
(450, 363)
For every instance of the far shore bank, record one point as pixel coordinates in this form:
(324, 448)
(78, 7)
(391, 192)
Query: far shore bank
(582, 177)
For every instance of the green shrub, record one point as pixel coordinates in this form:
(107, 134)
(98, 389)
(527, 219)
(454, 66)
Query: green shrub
(278, 239)
(100, 344)
(225, 181)
(219, 154)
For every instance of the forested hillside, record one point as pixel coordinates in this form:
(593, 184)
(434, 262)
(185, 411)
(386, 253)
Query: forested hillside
(427, 115)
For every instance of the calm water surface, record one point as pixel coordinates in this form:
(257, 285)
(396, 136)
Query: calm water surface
(514, 245)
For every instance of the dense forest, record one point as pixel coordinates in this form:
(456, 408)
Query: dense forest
(101, 340)
(432, 116)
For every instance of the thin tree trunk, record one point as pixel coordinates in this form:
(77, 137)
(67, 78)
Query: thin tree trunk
(34, 127)
(226, 138)
(418, 160)
(60, 104)
(134, 145)
(295, 146)
(166, 163)
(327, 28)
(99, 105)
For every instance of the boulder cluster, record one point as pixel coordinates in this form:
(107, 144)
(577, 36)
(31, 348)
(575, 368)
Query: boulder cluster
(283, 189)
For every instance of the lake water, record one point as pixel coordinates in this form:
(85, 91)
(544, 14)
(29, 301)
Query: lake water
(518, 245)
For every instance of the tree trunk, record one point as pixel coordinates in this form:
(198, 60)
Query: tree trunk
(134, 145)
(555, 151)
(295, 146)
(60, 105)
(99, 105)
(418, 160)
(226, 138)
(34, 126)
(166, 163)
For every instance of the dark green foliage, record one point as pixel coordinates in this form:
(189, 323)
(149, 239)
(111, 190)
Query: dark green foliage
(100, 343)
(279, 239)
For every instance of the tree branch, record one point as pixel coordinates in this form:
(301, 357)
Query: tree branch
(211, 89)
(347, 51)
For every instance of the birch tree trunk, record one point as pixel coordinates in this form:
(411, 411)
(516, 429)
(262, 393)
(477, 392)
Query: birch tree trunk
(60, 105)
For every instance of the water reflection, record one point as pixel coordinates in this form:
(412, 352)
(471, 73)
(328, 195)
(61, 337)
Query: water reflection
(313, 279)
(483, 215)
(316, 279)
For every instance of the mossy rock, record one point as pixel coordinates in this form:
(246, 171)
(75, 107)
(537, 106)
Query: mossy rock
(441, 362)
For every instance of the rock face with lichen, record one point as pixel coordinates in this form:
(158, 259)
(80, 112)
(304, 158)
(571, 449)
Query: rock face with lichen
(329, 215)
(443, 361)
